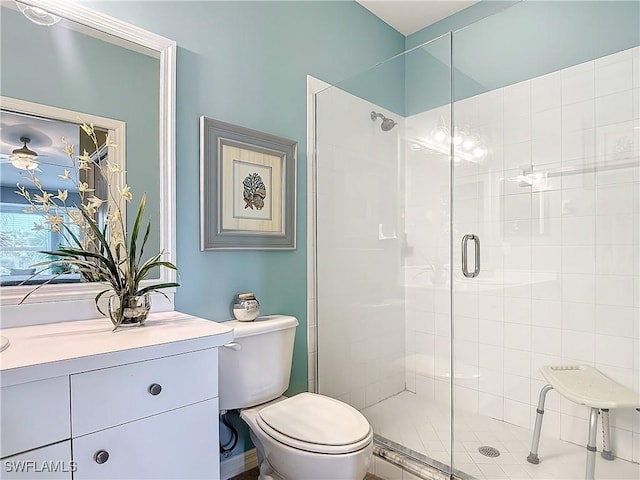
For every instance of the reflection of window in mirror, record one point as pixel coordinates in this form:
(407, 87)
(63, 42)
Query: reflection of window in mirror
(32, 148)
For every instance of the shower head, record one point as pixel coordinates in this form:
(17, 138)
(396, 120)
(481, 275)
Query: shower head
(387, 123)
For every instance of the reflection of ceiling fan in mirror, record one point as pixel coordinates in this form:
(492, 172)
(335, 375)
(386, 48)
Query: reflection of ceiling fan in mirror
(30, 144)
(24, 158)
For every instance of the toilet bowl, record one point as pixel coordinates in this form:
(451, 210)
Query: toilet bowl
(304, 437)
(310, 437)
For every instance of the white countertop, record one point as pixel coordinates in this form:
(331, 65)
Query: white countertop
(44, 351)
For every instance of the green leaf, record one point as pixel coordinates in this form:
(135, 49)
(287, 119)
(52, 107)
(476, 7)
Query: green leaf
(163, 294)
(72, 235)
(148, 266)
(74, 253)
(39, 286)
(134, 235)
(103, 246)
(111, 263)
(146, 237)
(71, 256)
(98, 298)
(153, 288)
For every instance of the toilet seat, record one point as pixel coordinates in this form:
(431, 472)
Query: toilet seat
(317, 424)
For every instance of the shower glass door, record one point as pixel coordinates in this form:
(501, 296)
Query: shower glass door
(546, 208)
(382, 232)
(477, 218)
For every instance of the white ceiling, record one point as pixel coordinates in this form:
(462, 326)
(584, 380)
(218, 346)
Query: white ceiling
(409, 16)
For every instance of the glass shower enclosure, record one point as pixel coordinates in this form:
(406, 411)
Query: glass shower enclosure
(477, 218)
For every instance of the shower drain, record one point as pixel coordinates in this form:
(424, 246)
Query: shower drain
(489, 451)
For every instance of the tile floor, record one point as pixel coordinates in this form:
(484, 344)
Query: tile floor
(423, 426)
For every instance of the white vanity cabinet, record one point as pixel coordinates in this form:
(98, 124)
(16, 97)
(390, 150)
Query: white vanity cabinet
(145, 403)
(81, 402)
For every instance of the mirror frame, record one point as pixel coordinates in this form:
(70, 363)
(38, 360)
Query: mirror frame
(165, 49)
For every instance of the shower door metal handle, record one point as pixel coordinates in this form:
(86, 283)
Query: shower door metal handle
(465, 269)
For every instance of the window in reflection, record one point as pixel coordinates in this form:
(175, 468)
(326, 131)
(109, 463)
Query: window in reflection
(21, 237)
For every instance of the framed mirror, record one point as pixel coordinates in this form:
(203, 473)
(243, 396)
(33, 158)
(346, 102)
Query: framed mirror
(106, 71)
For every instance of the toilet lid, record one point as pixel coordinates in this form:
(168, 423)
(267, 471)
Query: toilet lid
(316, 423)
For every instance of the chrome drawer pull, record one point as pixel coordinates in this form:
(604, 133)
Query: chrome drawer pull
(101, 456)
(155, 389)
(233, 346)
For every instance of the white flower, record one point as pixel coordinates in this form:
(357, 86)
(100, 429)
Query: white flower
(66, 175)
(84, 187)
(126, 193)
(108, 142)
(85, 157)
(62, 195)
(76, 216)
(88, 129)
(95, 201)
(44, 199)
(55, 221)
(68, 148)
(116, 238)
(89, 208)
(23, 192)
(114, 217)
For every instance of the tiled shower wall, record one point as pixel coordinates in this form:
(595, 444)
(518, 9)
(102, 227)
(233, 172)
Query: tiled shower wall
(560, 278)
(360, 298)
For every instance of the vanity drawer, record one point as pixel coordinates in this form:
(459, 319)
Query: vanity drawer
(46, 463)
(180, 444)
(34, 414)
(104, 398)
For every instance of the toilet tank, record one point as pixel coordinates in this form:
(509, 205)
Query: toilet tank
(255, 368)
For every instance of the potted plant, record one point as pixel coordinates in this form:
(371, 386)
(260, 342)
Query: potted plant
(99, 251)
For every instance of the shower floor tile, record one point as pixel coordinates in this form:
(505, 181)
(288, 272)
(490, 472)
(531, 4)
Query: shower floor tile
(423, 426)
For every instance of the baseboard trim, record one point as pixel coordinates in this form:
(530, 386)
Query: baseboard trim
(238, 464)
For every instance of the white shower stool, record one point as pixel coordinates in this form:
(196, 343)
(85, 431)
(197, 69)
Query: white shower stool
(588, 386)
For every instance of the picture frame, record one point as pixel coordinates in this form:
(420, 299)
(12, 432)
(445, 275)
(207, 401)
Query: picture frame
(247, 188)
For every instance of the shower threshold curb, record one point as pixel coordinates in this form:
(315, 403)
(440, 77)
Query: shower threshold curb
(413, 462)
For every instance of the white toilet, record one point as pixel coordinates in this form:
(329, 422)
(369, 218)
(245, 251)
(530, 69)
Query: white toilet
(305, 437)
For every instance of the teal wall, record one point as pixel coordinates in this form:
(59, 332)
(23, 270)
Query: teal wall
(382, 84)
(468, 16)
(428, 66)
(496, 44)
(428, 75)
(66, 69)
(246, 63)
(534, 38)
